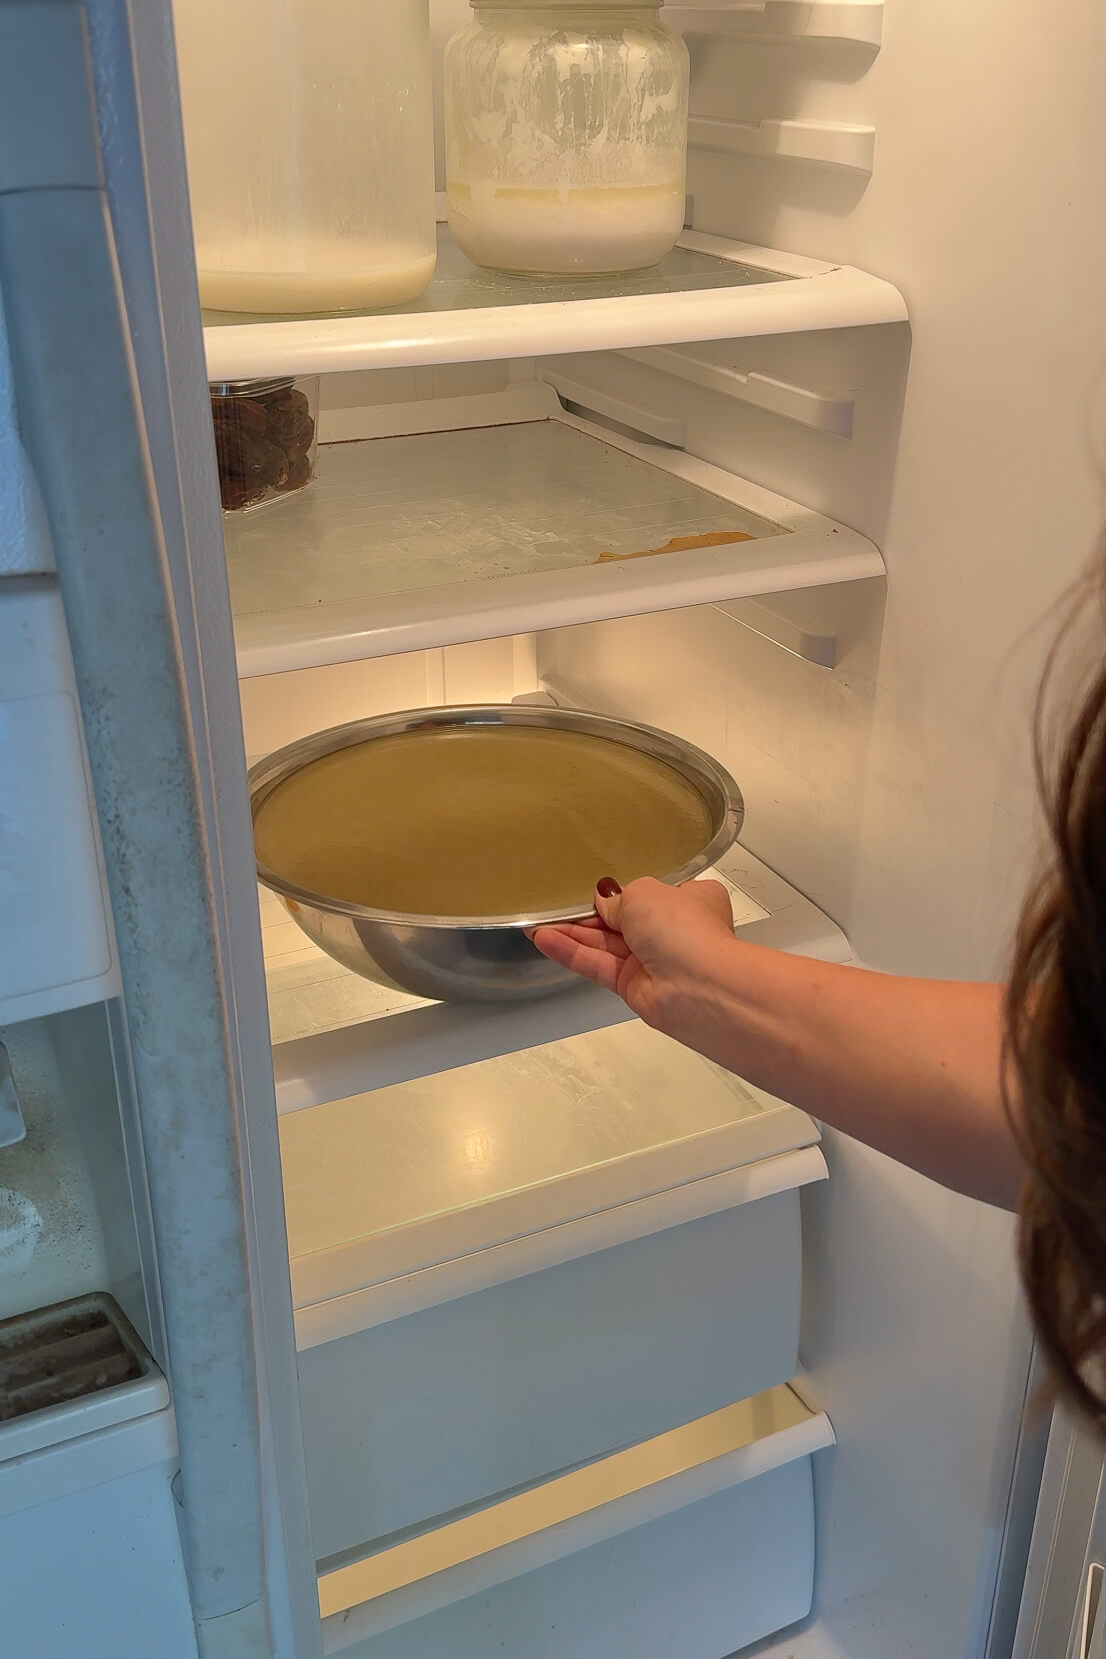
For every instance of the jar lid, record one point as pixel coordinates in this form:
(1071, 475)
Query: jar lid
(249, 388)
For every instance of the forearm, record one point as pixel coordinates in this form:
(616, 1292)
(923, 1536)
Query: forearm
(910, 1066)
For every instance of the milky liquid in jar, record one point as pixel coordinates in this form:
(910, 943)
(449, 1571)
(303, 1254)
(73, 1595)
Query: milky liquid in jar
(289, 274)
(309, 139)
(566, 137)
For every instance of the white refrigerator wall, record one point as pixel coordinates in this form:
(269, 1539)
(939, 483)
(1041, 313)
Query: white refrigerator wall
(897, 794)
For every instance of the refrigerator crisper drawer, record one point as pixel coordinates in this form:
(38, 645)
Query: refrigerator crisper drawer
(447, 1407)
(700, 1584)
(694, 1544)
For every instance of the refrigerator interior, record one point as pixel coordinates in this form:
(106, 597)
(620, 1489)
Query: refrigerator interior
(467, 1120)
(890, 817)
(515, 1256)
(906, 823)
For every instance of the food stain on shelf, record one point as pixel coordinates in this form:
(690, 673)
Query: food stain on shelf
(680, 544)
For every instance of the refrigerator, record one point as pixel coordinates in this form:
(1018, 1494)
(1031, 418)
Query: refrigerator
(453, 1330)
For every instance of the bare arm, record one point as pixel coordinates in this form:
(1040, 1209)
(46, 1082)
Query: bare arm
(911, 1066)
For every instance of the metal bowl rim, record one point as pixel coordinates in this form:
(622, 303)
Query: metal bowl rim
(265, 775)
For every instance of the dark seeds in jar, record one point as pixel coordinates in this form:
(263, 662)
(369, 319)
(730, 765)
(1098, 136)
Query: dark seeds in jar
(263, 444)
(299, 472)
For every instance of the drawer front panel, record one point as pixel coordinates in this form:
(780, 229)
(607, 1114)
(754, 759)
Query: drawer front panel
(698, 1584)
(451, 1406)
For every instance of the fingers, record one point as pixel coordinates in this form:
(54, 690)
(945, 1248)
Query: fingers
(597, 949)
(611, 900)
(592, 934)
(575, 948)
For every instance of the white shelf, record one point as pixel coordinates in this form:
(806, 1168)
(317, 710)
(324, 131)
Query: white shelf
(336, 1035)
(508, 516)
(857, 21)
(419, 1193)
(549, 1522)
(706, 289)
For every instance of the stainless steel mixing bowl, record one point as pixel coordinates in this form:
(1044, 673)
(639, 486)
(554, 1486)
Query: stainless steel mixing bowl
(472, 958)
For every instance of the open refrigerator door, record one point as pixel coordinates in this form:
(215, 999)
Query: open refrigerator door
(1062, 1610)
(171, 1152)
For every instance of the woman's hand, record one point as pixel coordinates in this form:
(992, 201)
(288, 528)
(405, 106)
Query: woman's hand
(911, 1066)
(660, 948)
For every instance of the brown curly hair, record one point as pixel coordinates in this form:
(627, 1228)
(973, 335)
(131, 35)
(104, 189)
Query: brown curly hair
(1055, 1059)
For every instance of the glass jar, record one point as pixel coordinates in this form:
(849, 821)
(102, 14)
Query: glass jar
(265, 439)
(566, 136)
(309, 137)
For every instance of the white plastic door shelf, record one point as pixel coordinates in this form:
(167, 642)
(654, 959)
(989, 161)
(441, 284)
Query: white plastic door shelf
(706, 289)
(479, 517)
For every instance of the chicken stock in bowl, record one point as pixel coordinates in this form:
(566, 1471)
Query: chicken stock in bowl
(418, 848)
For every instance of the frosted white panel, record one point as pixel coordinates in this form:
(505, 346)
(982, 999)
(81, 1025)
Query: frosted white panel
(413, 1418)
(699, 1584)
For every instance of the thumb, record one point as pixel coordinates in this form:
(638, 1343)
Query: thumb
(608, 902)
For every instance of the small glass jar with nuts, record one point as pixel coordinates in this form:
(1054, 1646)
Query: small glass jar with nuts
(265, 439)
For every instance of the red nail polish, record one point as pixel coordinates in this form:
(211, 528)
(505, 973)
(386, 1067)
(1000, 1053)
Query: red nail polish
(607, 887)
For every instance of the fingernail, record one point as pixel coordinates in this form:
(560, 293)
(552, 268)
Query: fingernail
(607, 887)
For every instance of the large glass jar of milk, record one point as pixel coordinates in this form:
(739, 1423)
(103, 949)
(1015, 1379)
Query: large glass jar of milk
(309, 136)
(566, 135)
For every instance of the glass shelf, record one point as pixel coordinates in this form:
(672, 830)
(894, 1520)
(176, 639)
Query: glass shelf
(336, 1035)
(468, 1125)
(705, 289)
(507, 524)
(459, 285)
(502, 1129)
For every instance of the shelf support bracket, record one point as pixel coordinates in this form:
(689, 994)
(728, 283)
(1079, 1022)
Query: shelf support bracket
(824, 143)
(635, 418)
(857, 21)
(786, 626)
(824, 411)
